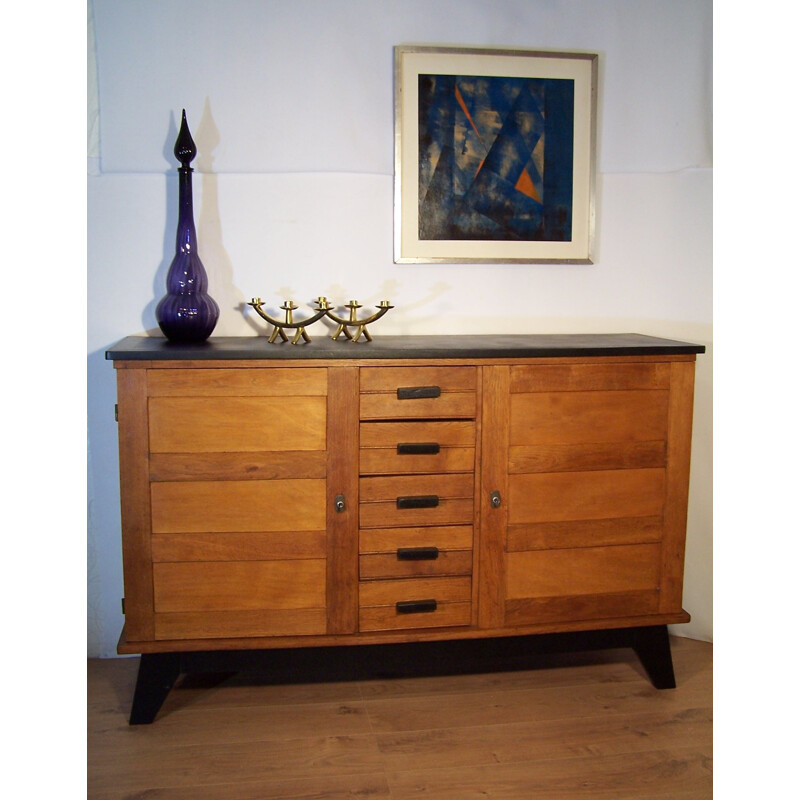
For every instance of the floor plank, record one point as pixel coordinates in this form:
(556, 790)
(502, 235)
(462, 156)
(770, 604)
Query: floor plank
(585, 725)
(656, 773)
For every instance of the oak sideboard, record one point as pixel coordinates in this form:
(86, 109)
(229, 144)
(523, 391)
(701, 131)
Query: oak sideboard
(407, 489)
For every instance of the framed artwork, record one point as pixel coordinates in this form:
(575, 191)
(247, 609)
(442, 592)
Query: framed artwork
(494, 155)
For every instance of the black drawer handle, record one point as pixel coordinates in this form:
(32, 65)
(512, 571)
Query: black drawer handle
(418, 449)
(418, 501)
(418, 392)
(415, 606)
(417, 553)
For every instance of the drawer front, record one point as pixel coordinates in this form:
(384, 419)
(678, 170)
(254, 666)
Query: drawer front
(415, 562)
(416, 500)
(415, 552)
(414, 603)
(418, 392)
(396, 448)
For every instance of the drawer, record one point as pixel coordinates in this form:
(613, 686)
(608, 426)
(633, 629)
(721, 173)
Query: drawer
(417, 447)
(415, 603)
(415, 552)
(416, 500)
(418, 392)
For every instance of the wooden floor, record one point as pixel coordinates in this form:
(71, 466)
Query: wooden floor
(586, 726)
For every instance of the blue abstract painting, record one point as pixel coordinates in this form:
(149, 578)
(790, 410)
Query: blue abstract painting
(495, 158)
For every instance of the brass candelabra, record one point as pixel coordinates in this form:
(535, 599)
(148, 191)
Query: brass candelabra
(323, 309)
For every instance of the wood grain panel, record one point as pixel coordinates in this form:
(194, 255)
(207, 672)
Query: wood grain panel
(449, 512)
(584, 533)
(589, 377)
(135, 503)
(250, 546)
(391, 487)
(387, 540)
(231, 624)
(386, 618)
(575, 457)
(604, 494)
(447, 405)
(580, 571)
(207, 506)
(584, 417)
(226, 424)
(389, 379)
(384, 565)
(237, 466)
(342, 526)
(447, 433)
(389, 592)
(235, 586)
(676, 505)
(237, 382)
(530, 611)
(493, 521)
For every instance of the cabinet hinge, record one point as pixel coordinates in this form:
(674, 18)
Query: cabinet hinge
(123, 606)
(116, 412)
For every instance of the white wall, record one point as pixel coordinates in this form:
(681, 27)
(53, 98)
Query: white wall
(290, 104)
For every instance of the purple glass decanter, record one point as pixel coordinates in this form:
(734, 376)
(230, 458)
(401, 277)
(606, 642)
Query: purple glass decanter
(187, 313)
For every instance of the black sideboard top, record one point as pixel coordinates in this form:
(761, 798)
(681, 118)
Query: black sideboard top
(537, 345)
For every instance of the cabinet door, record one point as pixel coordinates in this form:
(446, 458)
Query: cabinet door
(237, 471)
(584, 486)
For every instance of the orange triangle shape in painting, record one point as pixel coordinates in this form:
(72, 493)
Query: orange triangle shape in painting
(525, 185)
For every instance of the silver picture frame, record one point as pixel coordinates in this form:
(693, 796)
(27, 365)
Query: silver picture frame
(469, 184)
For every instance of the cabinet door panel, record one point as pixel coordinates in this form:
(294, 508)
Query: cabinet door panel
(589, 377)
(579, 571)
(584, 533)
(533, 610)
(250, 546)
(584, 417)
(237, 382)
(207, 507)
(604, 494)
(239, 585)
(574, 457)
(226, 624)
(230, 424)
(238, 466)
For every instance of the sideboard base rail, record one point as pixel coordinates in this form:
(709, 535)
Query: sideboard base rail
(158, 672)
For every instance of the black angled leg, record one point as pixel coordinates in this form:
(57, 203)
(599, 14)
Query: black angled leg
(157, 675)
(652, 646)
